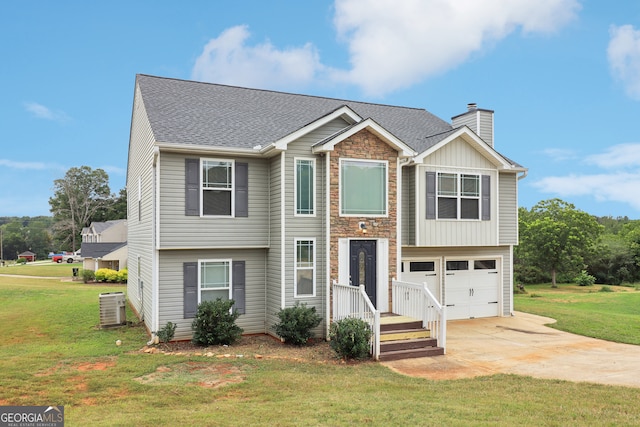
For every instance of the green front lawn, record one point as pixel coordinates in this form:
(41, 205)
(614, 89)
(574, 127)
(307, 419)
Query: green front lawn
(586, 310)
(52, 353)
(50, 269)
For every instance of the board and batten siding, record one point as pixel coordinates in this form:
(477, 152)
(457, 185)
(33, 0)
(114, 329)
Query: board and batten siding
(140, 240)
(508, 208)
(504, 252)
(180, 231)
(171, 287)
(409, 205)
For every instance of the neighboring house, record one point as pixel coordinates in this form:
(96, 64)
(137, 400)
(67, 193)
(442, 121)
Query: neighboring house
(268, 197)
(104, 245)
(28, 255)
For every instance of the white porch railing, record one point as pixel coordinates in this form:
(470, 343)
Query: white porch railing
(352, 301)
(415, 300)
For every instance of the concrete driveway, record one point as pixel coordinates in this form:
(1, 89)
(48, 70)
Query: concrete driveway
(522, 345)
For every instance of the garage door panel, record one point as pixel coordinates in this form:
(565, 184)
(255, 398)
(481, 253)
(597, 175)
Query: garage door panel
(472, 293)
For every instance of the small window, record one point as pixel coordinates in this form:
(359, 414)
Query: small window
(217, 187)
(457, 265)
(363, 187)
(422, 266)
(305, 186)
(458, 196)
(215, 280)
(305, 268)
(484, 264)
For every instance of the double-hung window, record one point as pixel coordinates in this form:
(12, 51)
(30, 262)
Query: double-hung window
(305, 277)
(363, 187)
(458, 196)
(305, 186)
(217, 187)
(215, 280)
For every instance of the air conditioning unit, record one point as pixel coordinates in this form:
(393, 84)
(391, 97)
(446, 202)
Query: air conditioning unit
(112, 309)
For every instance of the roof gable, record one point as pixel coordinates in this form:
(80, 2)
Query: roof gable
(439, 141)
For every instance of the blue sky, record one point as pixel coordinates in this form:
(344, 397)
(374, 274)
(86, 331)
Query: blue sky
(563, 77)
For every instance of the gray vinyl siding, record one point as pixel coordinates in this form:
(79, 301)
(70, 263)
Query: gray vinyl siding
(274, 282)
(180, 231)
(140, 224)
(307, 227)
(508, 208)
(171, 286)
(485, 132)
(456, 157)
(409, 205)
(473, 252)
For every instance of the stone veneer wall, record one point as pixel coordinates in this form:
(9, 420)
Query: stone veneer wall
(364, 145)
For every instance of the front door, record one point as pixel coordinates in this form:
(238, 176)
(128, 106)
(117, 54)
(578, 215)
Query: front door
(362, 266)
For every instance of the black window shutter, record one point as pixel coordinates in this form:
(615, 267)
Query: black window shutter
(190, 277)
(238, 286)
(192, 187)
(486, 197)
(431, 195)
(242, 189)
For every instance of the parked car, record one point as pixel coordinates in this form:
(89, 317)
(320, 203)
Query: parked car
(57, 258)
(72, 257)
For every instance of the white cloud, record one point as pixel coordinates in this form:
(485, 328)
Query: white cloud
(618, 187)
(624, 57)
(228, 60)
(618, 156)
(560, 154)
(23, 165)
(395, 44)
(392, 44)
(42, 112)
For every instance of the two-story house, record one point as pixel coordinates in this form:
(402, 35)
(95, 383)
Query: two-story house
(268, 198)
(104, 245)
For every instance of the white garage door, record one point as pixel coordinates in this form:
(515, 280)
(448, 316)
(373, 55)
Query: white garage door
(472, 288)
(423, 271)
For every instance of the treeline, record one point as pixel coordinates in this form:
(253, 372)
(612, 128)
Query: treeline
(81, 197)
(558, 242)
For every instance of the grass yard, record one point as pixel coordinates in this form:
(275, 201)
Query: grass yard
(52, 353)
(586, 310)
(48, 269)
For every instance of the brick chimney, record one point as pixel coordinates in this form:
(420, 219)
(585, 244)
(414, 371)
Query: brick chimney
(478, 120)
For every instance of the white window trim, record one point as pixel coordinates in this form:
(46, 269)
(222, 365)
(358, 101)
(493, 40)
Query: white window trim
(202, 261)
(386, 188)
(295, 186)
(232, 189)
(459, 196)
(295, 266)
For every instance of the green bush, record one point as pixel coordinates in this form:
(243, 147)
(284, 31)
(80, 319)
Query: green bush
(584, 279)
(167, 332)
(123, 275)
(296, 323)
(88, 275)
(215, 323)
(21, 261)
(605, 289)
(350, 338)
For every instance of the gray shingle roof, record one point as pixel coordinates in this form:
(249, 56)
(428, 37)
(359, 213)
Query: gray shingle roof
(187, 112)
(99, 250)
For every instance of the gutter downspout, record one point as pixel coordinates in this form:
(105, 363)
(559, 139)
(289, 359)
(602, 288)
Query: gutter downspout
(155, 259)
(327, 243)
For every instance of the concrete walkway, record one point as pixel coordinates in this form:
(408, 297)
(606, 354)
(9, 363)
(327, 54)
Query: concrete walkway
(522, 345)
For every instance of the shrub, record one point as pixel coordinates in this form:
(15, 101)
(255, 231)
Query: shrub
(605, 289)
(21, 261)
(350, 338)
(296, 323)
(215, 323)
(584, 279)
(123, 275)
(101, 274)
(88, 275)
(166, 334)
